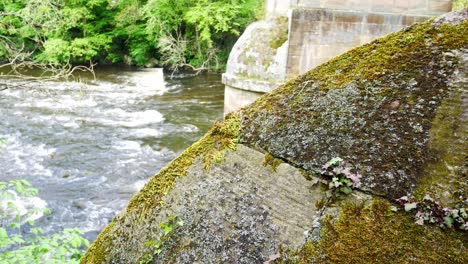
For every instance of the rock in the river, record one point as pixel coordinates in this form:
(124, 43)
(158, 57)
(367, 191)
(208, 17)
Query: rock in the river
(247, 192)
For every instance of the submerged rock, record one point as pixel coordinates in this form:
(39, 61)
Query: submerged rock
(395, 109)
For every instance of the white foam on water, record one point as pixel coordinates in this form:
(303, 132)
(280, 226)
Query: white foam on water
(120, 118)
(12, 205)
(139, 184)
(190, 128)
(151, 79)
(62, 118)
(20, 158)
(73, 125)
(146, 132)
(127, 145)
(64, 102)
(98, 179)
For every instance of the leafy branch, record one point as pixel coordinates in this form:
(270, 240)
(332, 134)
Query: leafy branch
(33, 247)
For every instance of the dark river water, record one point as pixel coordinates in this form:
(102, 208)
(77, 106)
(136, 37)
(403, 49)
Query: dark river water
(90, 148)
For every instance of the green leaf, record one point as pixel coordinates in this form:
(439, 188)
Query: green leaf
(346, 189)
(167, 229)
(448, 221)
(19, 187)
(149, 243)
(410, 206)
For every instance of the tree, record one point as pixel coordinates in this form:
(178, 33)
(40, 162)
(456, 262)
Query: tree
(29, 33)
(62, 36)
(196, 33)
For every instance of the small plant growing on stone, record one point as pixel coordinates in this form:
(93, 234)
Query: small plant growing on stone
(428, 211)
(343, 180)
(156, 245)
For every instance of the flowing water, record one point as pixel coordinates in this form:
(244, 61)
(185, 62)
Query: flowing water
(90, 148)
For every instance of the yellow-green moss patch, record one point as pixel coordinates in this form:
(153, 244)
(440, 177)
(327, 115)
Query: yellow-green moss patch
(375, 234)
(222, 136)
(446, 176)
(281, 36)
(271, 162)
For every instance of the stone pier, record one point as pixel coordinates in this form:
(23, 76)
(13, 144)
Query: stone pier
(298, 35)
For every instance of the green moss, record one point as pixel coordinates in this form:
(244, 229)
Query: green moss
(210, 148)
(459, 4)
(375, 234)
(96, 252)
(271, 162)
(445, 176)
(281, 36)
(222, 136)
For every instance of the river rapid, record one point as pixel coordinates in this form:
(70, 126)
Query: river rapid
(90, 147)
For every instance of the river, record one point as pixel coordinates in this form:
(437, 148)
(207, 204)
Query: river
(90, 147)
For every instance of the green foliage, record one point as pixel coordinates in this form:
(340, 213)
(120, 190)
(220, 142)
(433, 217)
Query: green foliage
(459, 4)
(196, 33)
(178, 33)
(33, 247)
(343, 180)
(55, 51)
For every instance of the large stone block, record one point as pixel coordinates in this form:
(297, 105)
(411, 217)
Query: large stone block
(395, 110)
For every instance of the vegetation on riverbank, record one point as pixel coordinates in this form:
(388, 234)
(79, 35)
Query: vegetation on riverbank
(196, 34)
(21, 241)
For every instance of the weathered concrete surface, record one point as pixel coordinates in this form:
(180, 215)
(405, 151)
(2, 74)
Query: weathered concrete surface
(320, 34)
(414, 7)
(260, 53)
(235, 98)
(239, 211)
(257, 63)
